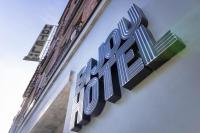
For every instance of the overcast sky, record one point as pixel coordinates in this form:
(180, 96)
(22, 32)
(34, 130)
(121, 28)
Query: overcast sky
(20, 23)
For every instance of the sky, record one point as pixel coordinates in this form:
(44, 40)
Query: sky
(20, 23)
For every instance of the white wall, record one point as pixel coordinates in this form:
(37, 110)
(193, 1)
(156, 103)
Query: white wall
(167, 101)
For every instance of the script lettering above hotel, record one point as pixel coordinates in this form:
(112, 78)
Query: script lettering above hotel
(128, 55)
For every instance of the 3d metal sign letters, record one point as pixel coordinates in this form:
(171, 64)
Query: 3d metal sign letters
(128, 55)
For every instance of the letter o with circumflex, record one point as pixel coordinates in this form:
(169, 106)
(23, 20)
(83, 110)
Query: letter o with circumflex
(93, 98)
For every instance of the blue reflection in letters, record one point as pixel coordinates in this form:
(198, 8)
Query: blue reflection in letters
(128, 55)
